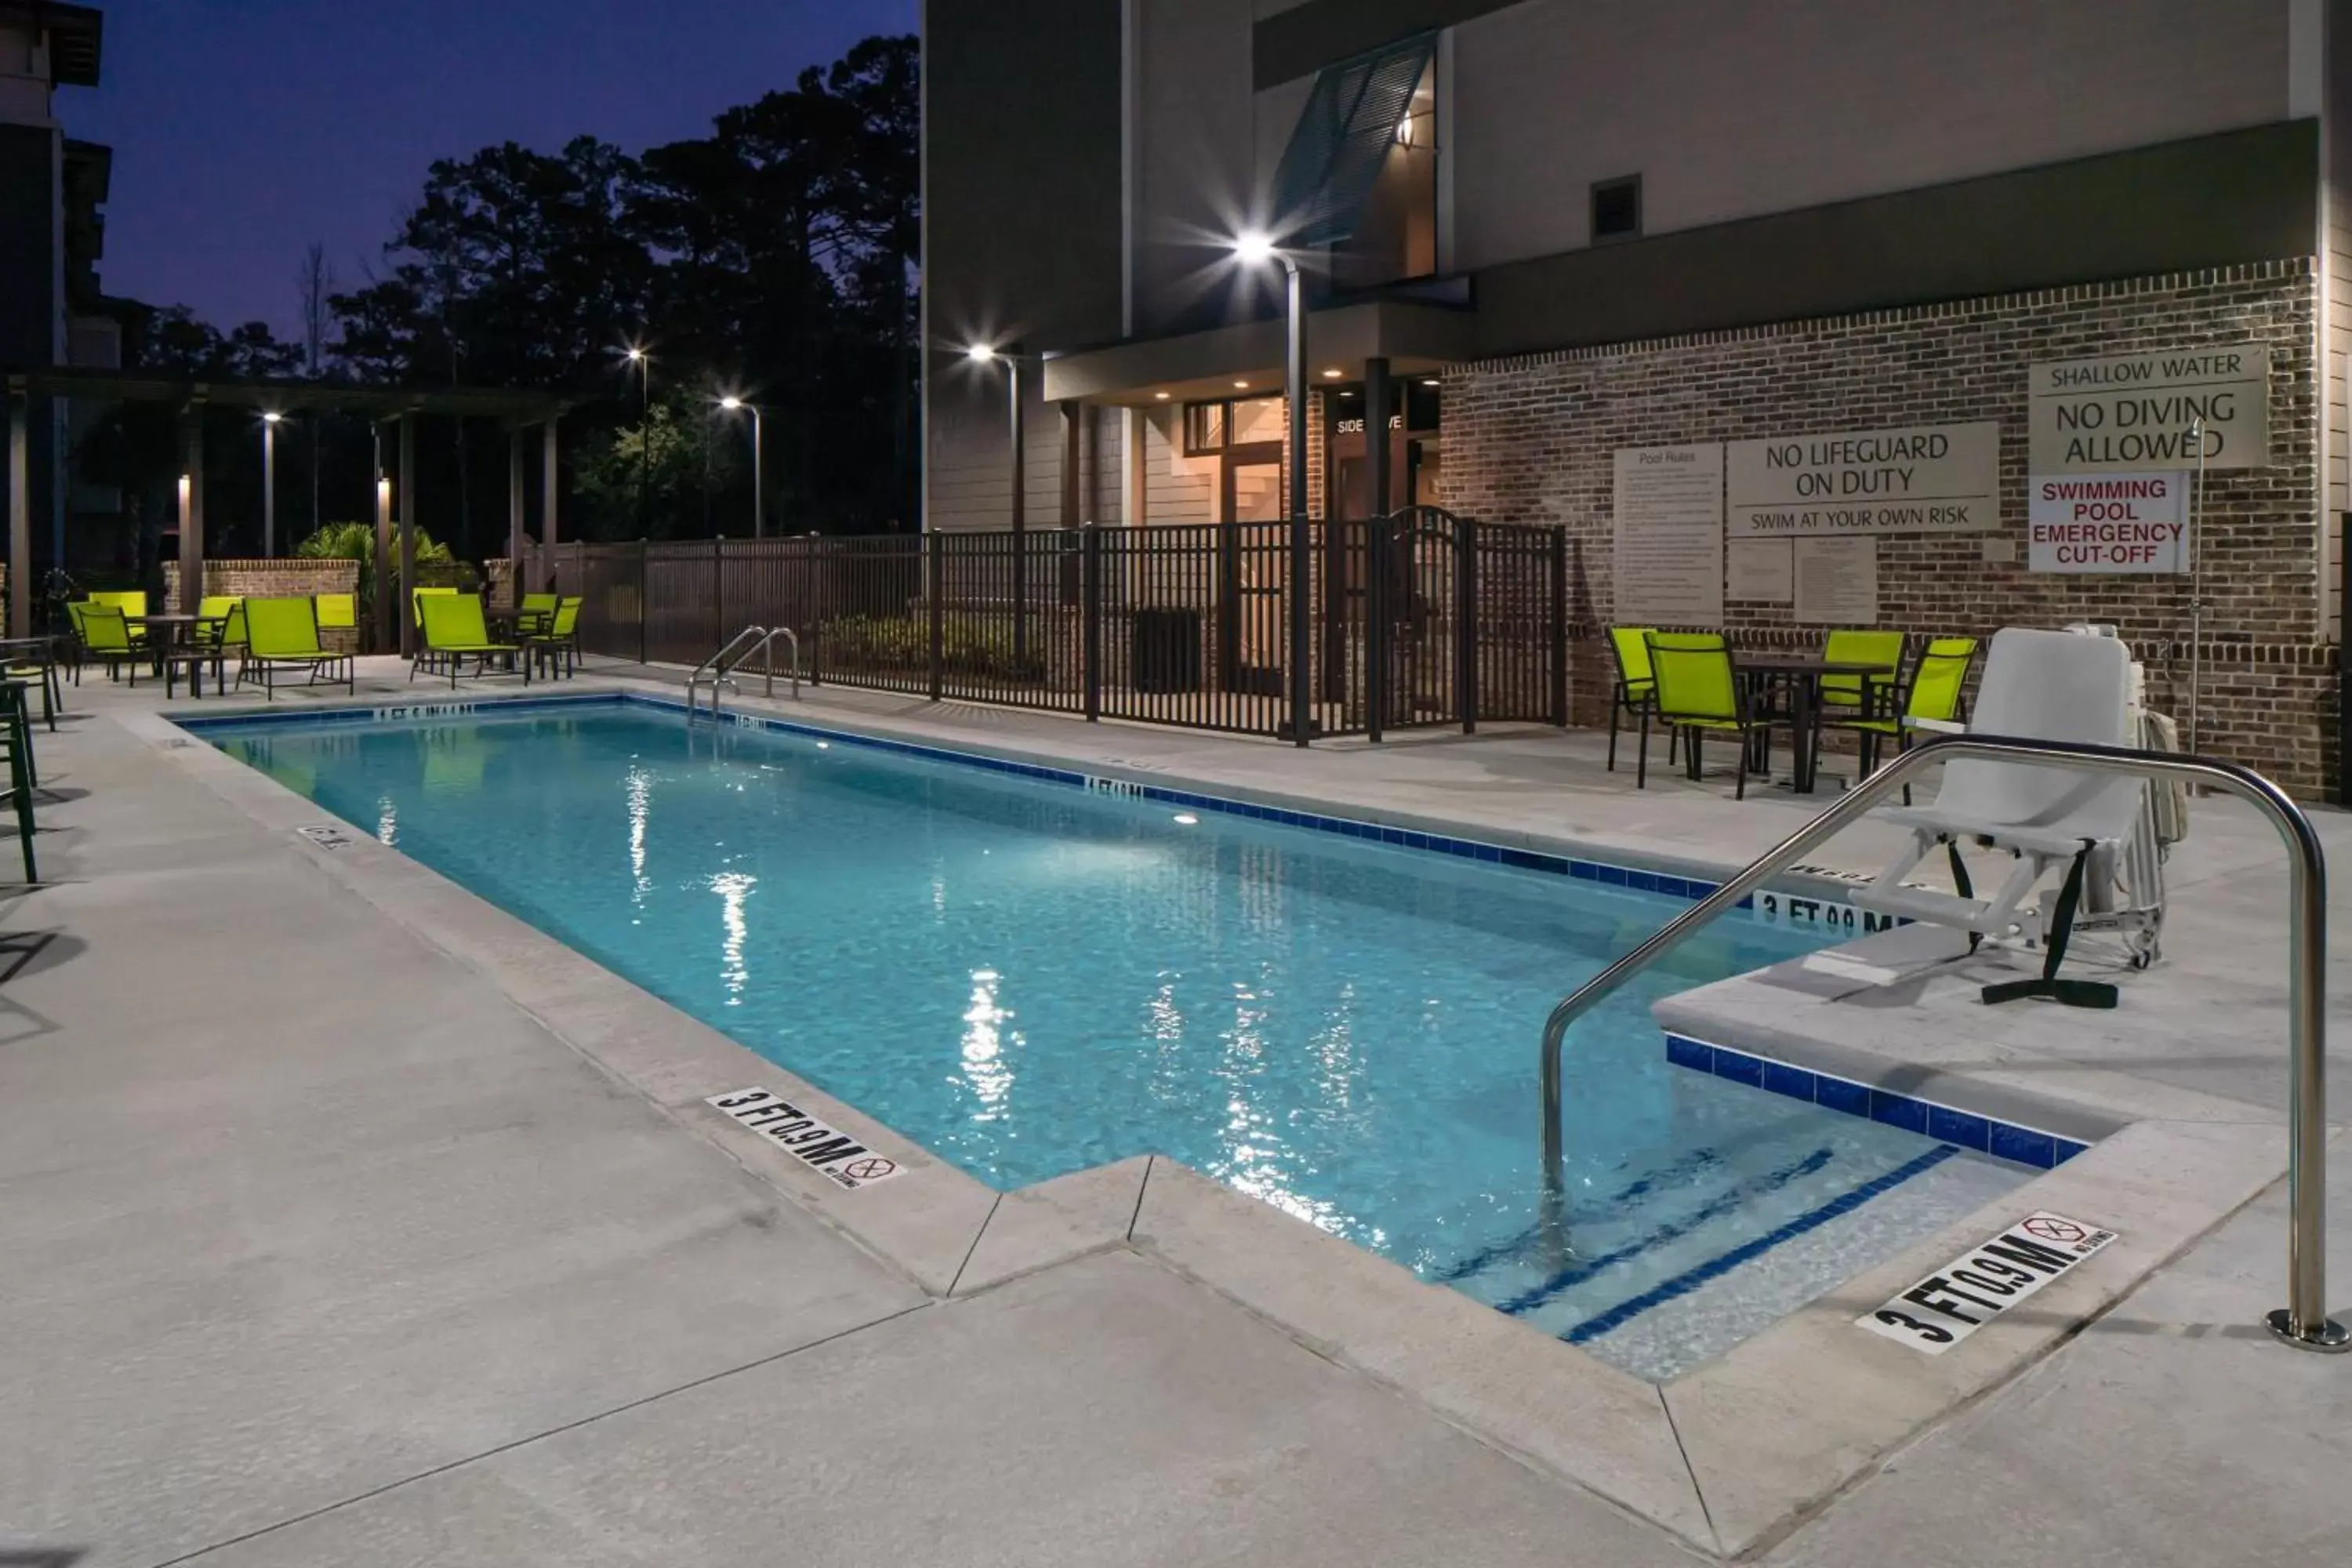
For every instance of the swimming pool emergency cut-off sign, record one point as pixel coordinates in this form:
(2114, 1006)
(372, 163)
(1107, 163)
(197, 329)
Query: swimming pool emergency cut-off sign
(2135, 412)
(2108, 523)
(1986, 1281)
(825, 1148)
(1928, 478)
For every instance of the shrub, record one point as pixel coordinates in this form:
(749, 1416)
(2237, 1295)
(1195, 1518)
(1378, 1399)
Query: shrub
(975, 646)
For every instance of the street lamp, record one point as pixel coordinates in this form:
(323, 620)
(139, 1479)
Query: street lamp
(732, 402)
(988, 354)
(1253, 249)
(270, 418)
(635, 355)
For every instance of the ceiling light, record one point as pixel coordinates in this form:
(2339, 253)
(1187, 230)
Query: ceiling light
(1331, 375)
(1161, 396)
(1243, 385)
(1429, 381)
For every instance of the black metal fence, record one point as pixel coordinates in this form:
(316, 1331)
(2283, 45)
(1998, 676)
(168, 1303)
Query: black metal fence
(1417, 619)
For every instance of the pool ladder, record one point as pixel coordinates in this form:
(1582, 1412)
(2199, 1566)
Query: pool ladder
(2303, 1321)
(720, 665)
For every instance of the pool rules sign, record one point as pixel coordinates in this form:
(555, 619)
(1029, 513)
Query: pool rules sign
(2121, 522)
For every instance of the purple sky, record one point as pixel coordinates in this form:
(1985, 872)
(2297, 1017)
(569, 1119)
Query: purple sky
(243, 130)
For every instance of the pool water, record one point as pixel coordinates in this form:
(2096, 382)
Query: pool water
(1030, 979)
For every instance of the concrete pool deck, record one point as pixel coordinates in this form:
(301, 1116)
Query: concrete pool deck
(326, 1247)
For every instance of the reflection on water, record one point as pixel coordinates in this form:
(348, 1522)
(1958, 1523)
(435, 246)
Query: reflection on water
(985, 1070)
(732, 887)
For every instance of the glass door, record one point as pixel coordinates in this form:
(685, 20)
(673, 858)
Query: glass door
(1258, 568)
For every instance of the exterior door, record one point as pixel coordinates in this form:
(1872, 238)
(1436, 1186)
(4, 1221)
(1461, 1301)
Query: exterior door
(1256, 568)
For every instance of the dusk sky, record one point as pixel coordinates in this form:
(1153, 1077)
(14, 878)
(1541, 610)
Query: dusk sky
(244, 129)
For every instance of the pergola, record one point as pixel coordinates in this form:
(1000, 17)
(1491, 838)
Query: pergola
(517, 411)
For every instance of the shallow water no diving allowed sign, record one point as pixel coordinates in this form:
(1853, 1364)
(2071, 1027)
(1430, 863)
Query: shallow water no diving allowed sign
(1986, 1281)
(825, 1148)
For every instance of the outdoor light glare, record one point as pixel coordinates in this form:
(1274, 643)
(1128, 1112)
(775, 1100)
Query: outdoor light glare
(271, 416)
(980, 353)
(633, 353)
(730, 402)
(1254, 248)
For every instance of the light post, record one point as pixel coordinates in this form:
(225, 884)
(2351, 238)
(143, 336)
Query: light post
(1254, 249)
(269, 419)
(985, 353)
(759, 524)
(644, 362)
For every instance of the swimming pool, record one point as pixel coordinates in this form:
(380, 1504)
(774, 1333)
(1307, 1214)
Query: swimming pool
(1030, 979)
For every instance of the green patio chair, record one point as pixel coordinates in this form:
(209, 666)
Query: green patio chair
(1866, 696)
(132, 602)
(16, 741)
(416, 597)
(557, 640)
(281, 636)
(1934, 700)
(1636, 686)
(106, 637)
(534, 615)
(454, 630)
(337, 612)
(1697, 692)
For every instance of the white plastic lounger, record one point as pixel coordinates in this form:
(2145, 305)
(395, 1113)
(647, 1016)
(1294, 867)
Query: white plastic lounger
(2044, 685)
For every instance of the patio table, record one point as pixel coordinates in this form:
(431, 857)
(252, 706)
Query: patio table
(1802, 674)
(170, 639)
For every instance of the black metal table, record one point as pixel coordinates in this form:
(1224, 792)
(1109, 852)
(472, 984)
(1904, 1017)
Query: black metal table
(1802, 674)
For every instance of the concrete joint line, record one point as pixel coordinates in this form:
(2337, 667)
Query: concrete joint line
(529, 1438)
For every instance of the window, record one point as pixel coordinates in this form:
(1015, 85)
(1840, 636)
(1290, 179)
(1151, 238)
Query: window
(1210, 428)
(1360, 173)
(1617, 208)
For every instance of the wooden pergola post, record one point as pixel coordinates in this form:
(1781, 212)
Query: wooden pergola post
(20, 514)
(407, 534)
(191, 515)
(551, 481)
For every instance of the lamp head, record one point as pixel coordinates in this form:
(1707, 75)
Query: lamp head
(271, 417)
(980, 353)
(730, 402)
(1254, 247)
(634, 355)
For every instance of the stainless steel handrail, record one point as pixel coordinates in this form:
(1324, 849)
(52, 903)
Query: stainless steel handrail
(766, 647)
(717, 666)
(2304, 1321)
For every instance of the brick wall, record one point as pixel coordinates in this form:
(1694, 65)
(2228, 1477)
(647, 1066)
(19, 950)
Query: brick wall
(1530, 440)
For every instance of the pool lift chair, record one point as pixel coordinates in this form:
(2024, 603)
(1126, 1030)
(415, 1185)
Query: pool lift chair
(2096, 832)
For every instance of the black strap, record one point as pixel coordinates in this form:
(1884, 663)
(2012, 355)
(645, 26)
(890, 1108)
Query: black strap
(2066, 992)
(1961, 883)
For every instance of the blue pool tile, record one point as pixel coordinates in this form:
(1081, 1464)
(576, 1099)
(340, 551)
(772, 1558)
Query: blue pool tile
(1584, 871)
(1796, 1083)
(1490, 853)
(2066, 1149)
(1391, 835)
(1898, 1110)
(1553, 864)
(1841, 1095)
(1614, 876)
(1739, 1067)
(1645, 880)
(1747, 903)
(1949, 1126)
(1413, 840)
(2023, 1145)
(1697, 1054)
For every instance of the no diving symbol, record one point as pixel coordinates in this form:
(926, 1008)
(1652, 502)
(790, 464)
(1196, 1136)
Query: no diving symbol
(2050, 1229)
(872, 1170)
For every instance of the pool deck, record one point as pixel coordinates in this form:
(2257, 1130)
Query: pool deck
(345, 1222)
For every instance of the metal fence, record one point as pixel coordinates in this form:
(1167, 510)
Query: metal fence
(1417, 619)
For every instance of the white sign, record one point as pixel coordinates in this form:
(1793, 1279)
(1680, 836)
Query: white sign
(1669, 518)
(1837, 582)
(326, 838)
(2135, 411)
(2108, 523)
(1929, 478)
(1982, 1283)
(1759, 569)
(824, 1149)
